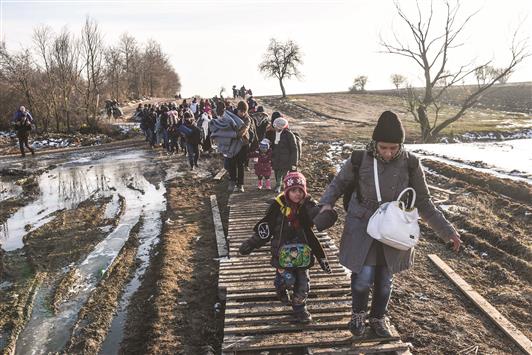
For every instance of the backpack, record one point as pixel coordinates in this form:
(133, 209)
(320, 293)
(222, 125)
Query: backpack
(356, 160)
(299, 144)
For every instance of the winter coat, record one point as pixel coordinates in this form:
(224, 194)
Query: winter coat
(263, 167)
(224, 131)
(274, 228)
(195, 136)
(262, 120)
(394, 177)
(22, 121)
(284, 153)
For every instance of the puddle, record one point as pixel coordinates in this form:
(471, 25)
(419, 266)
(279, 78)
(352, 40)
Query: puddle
(148, 238)
(9, 189)
(118, 175)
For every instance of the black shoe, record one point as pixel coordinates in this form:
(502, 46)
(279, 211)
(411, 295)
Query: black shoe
(357, 324)
(381, 327)
(302, 317)
(32, 151)
(284, 298)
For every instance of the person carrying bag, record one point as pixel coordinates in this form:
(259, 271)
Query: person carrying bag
(381, 173)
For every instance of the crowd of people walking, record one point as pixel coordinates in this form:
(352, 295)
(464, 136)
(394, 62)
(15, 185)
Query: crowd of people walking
(371, 178)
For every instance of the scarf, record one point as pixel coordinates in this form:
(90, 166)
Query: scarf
(290, 211)
(277, 136)
(371, 148)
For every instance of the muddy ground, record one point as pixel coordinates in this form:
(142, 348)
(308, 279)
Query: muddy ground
(176, 308)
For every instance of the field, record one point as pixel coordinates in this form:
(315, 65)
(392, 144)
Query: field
(158, 291)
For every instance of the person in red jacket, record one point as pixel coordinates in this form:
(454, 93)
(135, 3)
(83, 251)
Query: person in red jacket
(263, 167)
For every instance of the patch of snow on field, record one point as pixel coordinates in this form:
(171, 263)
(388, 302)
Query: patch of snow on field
(512, 157)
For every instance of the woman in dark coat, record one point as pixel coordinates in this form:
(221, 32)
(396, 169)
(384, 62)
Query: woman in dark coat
(284, 151)
(371, 262)
(192, 139)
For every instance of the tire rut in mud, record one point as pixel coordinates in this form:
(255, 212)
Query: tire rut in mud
(96, 315)
(172, 311)
(56, 245)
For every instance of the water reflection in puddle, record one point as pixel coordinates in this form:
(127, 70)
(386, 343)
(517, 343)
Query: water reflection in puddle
(65, 187)
(9, 189)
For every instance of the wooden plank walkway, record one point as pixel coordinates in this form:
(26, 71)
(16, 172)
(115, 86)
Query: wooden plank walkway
(256, 322)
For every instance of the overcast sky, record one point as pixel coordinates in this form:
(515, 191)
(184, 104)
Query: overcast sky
(220, 43)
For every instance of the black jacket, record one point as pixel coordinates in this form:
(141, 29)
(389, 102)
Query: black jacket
(284, 153)
(274, 228)
(195, 136)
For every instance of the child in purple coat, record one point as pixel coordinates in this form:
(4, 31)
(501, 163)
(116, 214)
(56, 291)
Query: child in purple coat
(263, 167)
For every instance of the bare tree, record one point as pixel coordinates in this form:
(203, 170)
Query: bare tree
(496, 73)
(359, 83)
(66, 70)
(281, 61)
(430, 48)
(398, 80)
(93, 58)
(42, 38)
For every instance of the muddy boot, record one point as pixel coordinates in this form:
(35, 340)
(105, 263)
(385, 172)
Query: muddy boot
(380, 326)
(259, 184)
(240, 188)
(302, 315)
(284, 297)
(357, 324)
(32, 151)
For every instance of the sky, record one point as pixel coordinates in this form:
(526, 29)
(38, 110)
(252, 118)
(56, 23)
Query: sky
(220, 43)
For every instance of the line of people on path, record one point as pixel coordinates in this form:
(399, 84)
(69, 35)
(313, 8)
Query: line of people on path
(175, 128)
(240, 136)
(292, 215)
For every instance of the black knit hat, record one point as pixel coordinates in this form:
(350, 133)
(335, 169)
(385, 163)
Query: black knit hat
(275, 115)
(389, 129)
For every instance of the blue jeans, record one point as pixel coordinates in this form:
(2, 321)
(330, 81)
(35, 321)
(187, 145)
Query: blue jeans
(296, 279)
(381, 279)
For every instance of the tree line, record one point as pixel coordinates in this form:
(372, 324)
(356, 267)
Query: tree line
(64, 78)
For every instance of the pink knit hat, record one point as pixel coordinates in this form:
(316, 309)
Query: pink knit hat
(294, 179)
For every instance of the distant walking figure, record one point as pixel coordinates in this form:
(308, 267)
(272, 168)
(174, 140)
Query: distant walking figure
(23, 121)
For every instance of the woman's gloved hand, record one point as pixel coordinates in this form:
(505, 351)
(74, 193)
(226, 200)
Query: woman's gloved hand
(245, 248)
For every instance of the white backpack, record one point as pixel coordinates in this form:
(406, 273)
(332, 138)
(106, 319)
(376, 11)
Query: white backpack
(393, 223)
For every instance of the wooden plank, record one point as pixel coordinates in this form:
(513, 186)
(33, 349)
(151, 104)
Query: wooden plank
(223, 279)
(368, 348)
(285, 328)
(277, 308)
(272, 295)
(321, 317)
(266, 269)
(218, 229)
(220, 174)
(305, 337)
(504, 324)
(261, 286)
(234, 262)
(436, 188)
